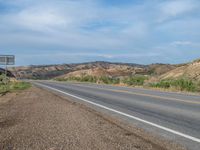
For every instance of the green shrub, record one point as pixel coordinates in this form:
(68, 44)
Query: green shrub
(92, 79)
(109, 80)
(178, 84)
(88, 79)
(135, 80)
(69, 79)
(20, 85)
(13, 86)
(61, 79)
(161, 84)
(4, 79)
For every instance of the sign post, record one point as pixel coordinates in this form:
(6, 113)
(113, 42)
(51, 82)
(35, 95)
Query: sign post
(7, 60)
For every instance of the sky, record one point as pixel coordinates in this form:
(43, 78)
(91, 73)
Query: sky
(74, 31)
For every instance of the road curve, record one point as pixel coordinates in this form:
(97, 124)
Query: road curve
(170, 115)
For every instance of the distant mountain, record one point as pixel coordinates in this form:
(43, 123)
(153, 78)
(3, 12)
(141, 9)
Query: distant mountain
(99, 68)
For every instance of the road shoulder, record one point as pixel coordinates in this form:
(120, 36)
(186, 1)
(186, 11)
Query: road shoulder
(38, 119)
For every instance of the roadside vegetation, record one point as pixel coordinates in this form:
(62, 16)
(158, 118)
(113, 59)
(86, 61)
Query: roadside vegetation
(92, 79)
(130, 81)
(178, 85)
(140, 80)
(137, 80)
(8, 86)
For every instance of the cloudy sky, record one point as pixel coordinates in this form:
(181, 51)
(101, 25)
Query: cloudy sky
(70, 31)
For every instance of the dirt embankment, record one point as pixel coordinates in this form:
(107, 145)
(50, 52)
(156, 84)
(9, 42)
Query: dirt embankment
(36, 119)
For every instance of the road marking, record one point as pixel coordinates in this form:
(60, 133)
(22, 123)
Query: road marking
(124, 114)
(142, 94)
(160, 97)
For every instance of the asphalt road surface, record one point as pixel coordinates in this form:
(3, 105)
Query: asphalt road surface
(173, 116)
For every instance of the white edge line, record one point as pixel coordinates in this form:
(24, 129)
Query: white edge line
(124, 114)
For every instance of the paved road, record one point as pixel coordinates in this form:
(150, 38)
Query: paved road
(170, 115)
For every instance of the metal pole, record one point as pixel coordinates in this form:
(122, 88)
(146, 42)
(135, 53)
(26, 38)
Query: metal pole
(6, 67)
(4, 82)
(6, 73)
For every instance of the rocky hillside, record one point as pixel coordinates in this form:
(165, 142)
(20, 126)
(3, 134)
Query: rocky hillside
(92, 68)
(9, 74)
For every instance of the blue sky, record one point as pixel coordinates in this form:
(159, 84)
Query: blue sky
(70, 31)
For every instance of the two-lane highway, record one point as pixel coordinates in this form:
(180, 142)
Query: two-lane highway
(170, 115)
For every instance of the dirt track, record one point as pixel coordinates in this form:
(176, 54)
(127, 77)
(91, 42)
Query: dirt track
(37, 119)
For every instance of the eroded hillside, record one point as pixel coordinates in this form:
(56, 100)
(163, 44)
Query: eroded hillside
(92, 69)
(188, 71)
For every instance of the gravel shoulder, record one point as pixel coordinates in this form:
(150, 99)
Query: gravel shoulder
(36, 119)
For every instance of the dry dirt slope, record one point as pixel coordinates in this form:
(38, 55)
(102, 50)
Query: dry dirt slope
(111, 70)
(120, 70)
(36, 119)
(189, 71)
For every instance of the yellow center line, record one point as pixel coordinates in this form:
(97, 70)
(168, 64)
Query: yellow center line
(147, 95)
(154, 96)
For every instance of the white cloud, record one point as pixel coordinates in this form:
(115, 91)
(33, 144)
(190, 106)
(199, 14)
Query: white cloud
(39, 19)
(174, 8)
(62, 23)
(86, 27)
(181, 43)
(185, 44)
